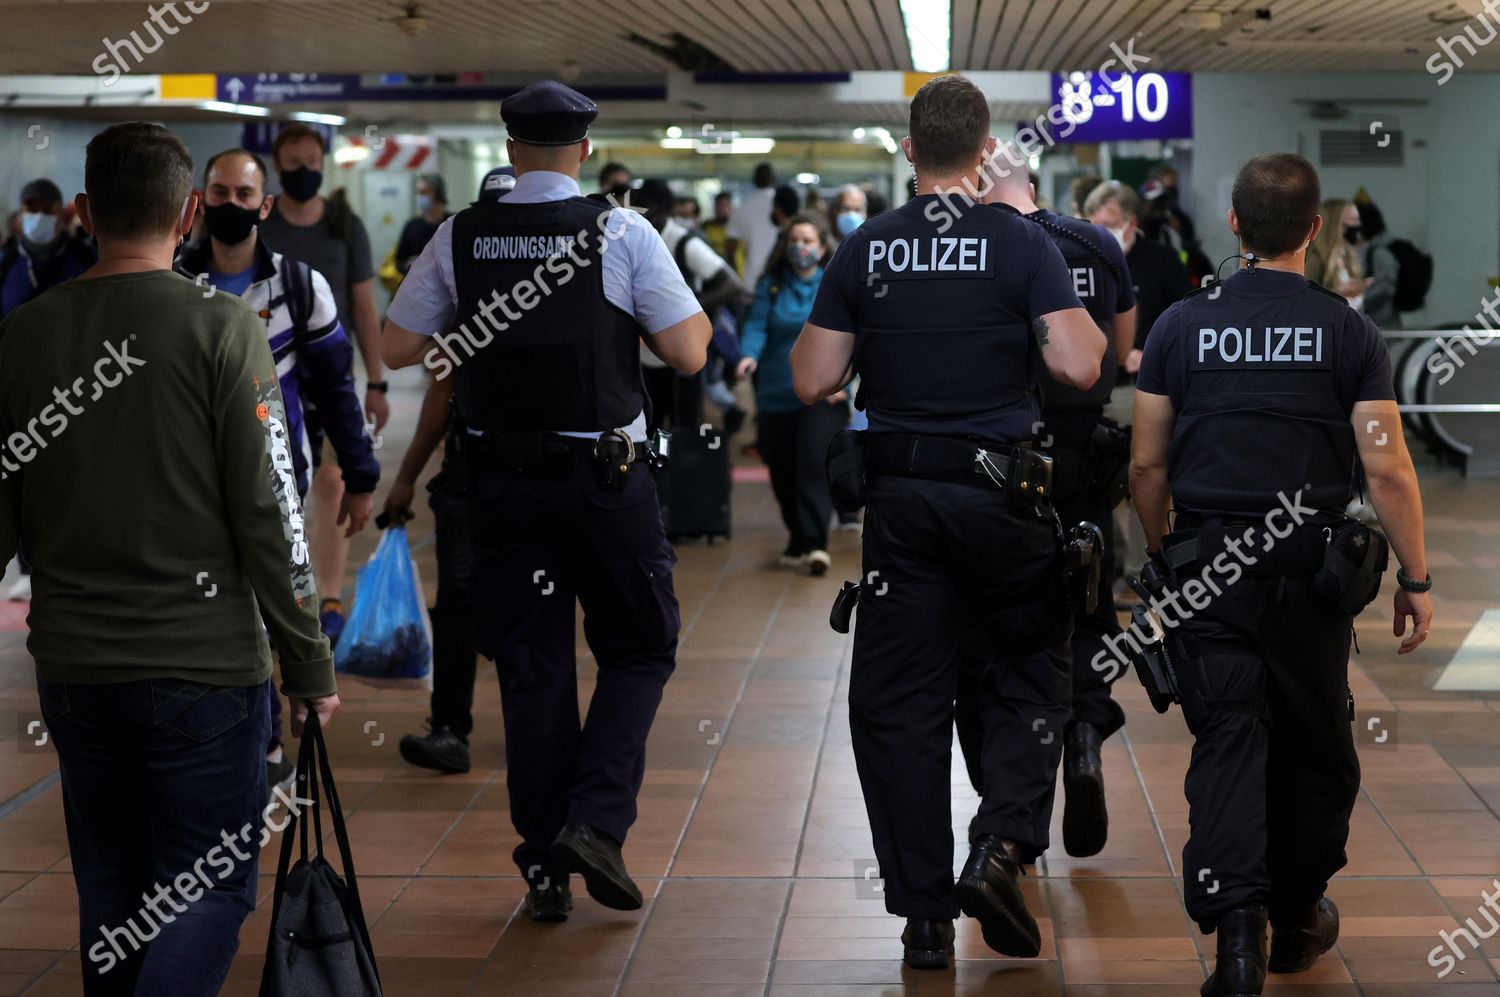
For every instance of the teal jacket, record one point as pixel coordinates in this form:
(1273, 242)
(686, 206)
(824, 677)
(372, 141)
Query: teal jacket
(782, 304)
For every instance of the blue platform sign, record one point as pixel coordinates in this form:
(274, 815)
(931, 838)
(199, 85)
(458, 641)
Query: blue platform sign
(1124, 107)
(299, 88)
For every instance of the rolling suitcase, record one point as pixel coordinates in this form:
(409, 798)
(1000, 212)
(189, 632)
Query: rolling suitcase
(694, 486)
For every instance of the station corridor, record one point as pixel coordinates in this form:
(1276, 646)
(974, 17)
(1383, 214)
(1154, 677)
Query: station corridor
(752, 844)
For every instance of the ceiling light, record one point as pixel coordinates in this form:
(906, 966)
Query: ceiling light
(674, 132)
(738, 146)
(251, 110)
(928, 33)
(859, 134)
(678, 142)
(886, 139)
(351, 154)
(316, 118)
(807, 179)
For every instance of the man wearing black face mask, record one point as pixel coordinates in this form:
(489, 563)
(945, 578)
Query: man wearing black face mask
(307, 341)
(327, 236)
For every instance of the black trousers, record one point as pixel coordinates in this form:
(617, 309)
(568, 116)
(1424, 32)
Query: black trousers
(1269, 796)
(940, 558)
(794, 446)
(1075, 502)
(454, 647)
(540, 542)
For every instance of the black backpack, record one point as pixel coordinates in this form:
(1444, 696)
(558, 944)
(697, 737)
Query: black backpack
(1413, 275)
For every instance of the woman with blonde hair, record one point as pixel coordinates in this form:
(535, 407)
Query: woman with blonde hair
(1332, 259)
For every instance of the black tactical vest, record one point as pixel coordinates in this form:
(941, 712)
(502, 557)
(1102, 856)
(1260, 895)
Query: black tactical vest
(940, 346)
(549, 351)
(1262, 412)
(1097, 285)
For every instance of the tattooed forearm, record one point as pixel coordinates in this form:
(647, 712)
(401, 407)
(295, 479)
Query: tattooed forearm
(1039, 329)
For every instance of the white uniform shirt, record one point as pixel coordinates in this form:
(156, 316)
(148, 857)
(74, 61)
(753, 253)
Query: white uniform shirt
(640, 276)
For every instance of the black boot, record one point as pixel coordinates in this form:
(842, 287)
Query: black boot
(990, 892)
(1240, 967)
(929, 944)
(1085, 819)
(551, 904)
(441, 748)
(1296, 944)
(596, 856)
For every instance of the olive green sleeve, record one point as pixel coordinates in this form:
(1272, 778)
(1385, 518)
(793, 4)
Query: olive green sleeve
(259, 487)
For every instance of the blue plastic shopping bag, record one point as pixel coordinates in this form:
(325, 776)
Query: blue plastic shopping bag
(386, 634)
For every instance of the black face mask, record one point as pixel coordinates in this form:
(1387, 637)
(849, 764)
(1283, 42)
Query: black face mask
(230, 223)
(1352, 233)
(301, 184)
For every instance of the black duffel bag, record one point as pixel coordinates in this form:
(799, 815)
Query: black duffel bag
(319, 944)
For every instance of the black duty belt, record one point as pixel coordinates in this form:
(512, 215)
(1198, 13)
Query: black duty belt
(546, 453)
(932, 458)
(1199, 539)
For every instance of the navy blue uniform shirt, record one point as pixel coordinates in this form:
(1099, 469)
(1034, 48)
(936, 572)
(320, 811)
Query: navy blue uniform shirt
(1364, 371)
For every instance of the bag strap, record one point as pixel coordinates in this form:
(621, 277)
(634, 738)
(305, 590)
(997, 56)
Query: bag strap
(284, 864)
(296, 288)
(341, 833)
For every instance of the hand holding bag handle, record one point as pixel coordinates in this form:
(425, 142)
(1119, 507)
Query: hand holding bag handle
(314, 744)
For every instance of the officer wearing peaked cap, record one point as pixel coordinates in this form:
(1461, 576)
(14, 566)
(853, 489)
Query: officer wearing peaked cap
(1259, 399)
(519, 301)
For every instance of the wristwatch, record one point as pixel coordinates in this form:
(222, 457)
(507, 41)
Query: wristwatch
(1411, 584)
(378, 385)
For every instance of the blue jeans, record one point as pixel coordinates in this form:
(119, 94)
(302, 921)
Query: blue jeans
(164, 785)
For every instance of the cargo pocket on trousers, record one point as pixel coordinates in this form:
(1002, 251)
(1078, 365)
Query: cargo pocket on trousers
(197, 711)
(660, 617)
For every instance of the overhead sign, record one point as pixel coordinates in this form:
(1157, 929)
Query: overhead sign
(1124, 107)
(296, 88)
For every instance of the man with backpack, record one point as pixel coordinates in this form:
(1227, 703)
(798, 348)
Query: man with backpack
(329, 237)
(314, 361)
(1401, 273)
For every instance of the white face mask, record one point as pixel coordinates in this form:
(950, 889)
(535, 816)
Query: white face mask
(1120, 234)
(38, 228)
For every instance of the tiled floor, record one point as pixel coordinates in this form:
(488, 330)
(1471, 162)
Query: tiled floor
(752, 837)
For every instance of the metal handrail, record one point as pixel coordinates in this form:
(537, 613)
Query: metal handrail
(1456, 407)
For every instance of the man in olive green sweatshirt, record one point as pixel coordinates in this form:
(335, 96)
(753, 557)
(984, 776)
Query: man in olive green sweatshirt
(146, 468)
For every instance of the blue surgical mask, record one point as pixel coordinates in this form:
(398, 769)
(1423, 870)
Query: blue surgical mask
(424, 204)
(38, 228)
(848, 221)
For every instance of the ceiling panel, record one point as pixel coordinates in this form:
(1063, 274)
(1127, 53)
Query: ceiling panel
(554, 37)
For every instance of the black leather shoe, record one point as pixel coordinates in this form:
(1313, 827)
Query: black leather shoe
(989, 891)
(595, 856)
(441, 748)
(929, 944)
(550, 905)
(1085, 819)
(1295, 946)
(1240, 967)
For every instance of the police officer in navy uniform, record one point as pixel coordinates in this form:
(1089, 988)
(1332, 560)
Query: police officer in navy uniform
(1070, 417)
(948, 310)
(546, 294)
(1258, 399)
